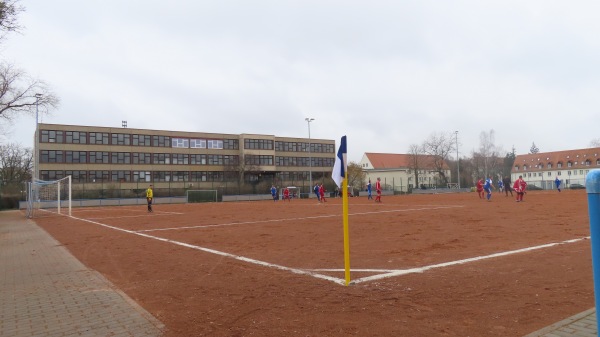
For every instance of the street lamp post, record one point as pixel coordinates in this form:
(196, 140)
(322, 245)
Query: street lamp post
(36, 171)
(457, 161)
(308, 120)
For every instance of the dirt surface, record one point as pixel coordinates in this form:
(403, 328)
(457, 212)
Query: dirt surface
(285, 274)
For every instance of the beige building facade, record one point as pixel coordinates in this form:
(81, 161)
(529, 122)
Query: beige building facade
(131, 159)
(542, 169)
(396, 174)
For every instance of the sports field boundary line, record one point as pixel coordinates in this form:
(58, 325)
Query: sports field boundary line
(463, 261)
(220, 253)
(294, 219)
(387, 273)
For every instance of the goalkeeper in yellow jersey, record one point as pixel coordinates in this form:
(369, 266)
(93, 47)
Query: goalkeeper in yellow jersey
(149, 197)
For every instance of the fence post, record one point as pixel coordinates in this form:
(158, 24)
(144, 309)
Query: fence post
(593, 190)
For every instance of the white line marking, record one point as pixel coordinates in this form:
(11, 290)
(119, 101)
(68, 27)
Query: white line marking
(294, 219)
(452, 263)
(138, 216)
(237, 257)
(386, 272)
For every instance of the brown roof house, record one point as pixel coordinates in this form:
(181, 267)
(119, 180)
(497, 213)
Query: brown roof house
(397, 171)
(570, 167)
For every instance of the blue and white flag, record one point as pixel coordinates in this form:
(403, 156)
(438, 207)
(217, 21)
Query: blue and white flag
(340, 166)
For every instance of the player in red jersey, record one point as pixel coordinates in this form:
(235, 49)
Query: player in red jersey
(480, 188)
(322, 192)
(378, 190)
(519, 187)
(286, 194)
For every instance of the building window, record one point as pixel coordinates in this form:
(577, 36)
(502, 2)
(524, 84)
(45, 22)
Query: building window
(77, 176)
(258, 160)
(75, 137)
(215, 176)
(198, 176)
(161, 176)
(51, 156)
(98, 176)
(180, 142)
(142, 158)
(51, 136)
(215, 144)
(121, 176)
(559, 165)
(141, 140)
(51, 175)
(549, 165)
(143, 176)
(180, 176)
(524, 167)
(559, 173)
(569, 164)
(198, 159)
(121, 158)
(198, 143)
(161, 141)
(180, 159)
(161, 158)
(121, 139)
(76, 157)
(99, 138)
(260, 144)
(588, 162)
(98, 157)
(231, 144)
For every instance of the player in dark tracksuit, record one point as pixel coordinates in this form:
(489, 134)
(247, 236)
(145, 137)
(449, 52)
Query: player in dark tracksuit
(507, 184)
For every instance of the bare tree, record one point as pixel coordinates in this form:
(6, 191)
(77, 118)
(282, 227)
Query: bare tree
(356, 176)
(595, 142)
(20, 93)
(439, 146)
(16, 163)
(416, 160)
(9, 11)
(489, 152)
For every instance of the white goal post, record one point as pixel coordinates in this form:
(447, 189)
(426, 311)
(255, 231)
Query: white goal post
(452, 185)
(49, 197)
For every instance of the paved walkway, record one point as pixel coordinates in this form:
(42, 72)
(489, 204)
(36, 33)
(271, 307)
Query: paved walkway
(45, 291)
(580, 325)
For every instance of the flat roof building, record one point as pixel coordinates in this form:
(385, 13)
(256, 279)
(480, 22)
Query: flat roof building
(124, 159)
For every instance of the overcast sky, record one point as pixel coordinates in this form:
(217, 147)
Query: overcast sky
(385, 73)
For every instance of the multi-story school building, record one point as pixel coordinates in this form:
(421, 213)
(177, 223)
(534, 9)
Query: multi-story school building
(124, 158)
(542, 169)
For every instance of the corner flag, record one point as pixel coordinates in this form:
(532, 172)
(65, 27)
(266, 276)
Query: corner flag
(340, 166)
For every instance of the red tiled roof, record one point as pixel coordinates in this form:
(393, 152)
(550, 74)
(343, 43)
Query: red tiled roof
(396, 160)
(540, 161)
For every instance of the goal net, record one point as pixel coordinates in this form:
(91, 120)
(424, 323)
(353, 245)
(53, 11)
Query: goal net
(201, 196)
(49, 197)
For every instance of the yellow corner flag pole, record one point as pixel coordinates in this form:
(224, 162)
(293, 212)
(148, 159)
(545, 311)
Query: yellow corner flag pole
(346, 231)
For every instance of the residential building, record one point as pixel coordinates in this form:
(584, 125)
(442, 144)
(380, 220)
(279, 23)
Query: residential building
(396, 171)
(541, 169)
(131, 159)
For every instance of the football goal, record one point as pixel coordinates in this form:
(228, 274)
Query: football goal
(49, 197)
(201, 196)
